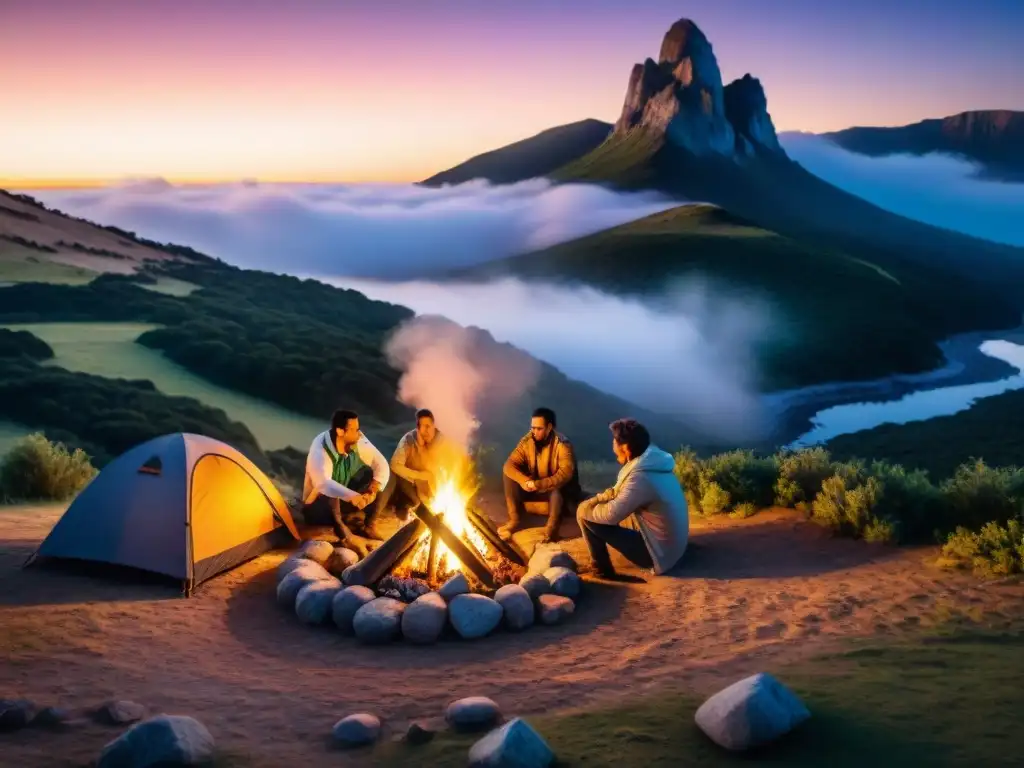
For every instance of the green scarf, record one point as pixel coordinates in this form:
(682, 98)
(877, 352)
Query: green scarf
(344, 467)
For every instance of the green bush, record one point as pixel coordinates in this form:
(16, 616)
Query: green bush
(800, 475)
(995, 550)
(743, 511)
(36, 469)
(744, 476)
(977, 494)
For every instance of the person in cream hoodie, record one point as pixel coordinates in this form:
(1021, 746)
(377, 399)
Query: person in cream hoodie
(644, 516)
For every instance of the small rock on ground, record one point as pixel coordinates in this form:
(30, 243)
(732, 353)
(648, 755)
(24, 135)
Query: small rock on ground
(513, 745)
(288, 588)
(15, 714)
(472, 713)
(289, 564)
(163, 740)
(456, 585)
(550, 555)
(535, 584)
(517, 606)
(563, 582)
(553, 609)
(356, 730)
(345, 604)
(120, 712)
(473, 615)
(424, 619)
(750, 713)
(52, 717)
(340, 559)
(417, 734)
(314, 601)
(379, 621)
(317, 551)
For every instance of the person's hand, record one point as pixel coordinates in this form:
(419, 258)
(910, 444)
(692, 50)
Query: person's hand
(374, 489)
(360, 501)
(530, 486)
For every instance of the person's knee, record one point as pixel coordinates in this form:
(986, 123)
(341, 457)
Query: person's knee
(512, 489)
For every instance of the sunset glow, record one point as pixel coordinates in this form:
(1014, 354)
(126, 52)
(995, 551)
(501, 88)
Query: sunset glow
(396, 91)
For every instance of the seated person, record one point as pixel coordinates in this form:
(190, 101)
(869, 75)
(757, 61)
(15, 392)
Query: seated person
(422, 459)
(542, 467)
(345, 472)
(649, 494)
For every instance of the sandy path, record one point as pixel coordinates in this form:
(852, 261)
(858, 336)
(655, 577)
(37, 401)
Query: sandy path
(753, 591)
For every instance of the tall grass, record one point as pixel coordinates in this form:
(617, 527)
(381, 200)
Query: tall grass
(37, 470)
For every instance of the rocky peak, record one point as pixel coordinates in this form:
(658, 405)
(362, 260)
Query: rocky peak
(681, 96)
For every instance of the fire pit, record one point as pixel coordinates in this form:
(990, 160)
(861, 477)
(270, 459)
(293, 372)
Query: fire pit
(443, 539)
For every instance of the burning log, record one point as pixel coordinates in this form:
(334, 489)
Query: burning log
(389, 554)
(465, 554)
(486, 527)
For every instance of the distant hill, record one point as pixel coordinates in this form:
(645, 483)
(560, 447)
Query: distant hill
(530, 158)
(994, 138)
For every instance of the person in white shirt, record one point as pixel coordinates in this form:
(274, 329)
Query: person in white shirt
(347, 471)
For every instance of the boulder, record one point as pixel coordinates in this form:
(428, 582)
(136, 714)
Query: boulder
(345, 604)
(418, 733)
(513, 745)
(563, 582)
(314, 601)
(317, 551)
(424, 620)
(290, 563)
(473, 713)
(552, 609)
(474, 616)
(379, 621)
(340, 559)
(15, 714)
(517, 606)
(550, 555)
(356, 730)
(535, 584)
(456, 585)
(120, 712)
(288, 588)
(164, 740)
(750, 713)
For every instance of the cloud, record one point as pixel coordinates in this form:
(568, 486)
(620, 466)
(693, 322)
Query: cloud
(938, 189)
(690, 355)
(367, 230)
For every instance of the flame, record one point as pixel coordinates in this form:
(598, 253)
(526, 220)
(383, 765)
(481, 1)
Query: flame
(450, 501)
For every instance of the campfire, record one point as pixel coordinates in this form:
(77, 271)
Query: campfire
(446, 536)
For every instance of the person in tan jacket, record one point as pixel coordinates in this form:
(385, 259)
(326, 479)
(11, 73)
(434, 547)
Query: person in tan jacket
(542, 467)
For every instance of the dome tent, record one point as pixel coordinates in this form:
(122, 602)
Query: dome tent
(181, 505)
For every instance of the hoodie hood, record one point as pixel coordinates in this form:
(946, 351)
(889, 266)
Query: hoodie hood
(652, 460)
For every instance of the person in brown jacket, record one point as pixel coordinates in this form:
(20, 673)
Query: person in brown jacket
(542, 467)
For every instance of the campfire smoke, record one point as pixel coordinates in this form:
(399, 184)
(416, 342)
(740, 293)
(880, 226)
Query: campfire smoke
(454, 371)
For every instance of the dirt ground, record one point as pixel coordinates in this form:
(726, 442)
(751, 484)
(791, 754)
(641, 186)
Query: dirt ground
(750, 595)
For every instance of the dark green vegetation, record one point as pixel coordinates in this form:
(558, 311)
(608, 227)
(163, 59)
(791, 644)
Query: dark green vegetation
(37, 470)
(994, 138)
(824, 302)
(942, 700)
(993, 428)
(23, 344)
(536, 156)
(875, 501)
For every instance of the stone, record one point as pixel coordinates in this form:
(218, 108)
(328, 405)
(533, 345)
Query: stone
(404, 589)
(120, 712)
(51, 717)
(473, 713)
(163, 740)
(288, 588)
(289, 564)
(552, 609)
(15, 714)
(474, 616)
(317, 551)
(314, 602)
(514, 745)
(356, 730)
(563, 582)
(516, 605)
(418, 733)
(340, 559)
(456, 585)
(749, 713)
(424, 619)
(345, 604)
(379, 621)
(550, 555)
(535, 585)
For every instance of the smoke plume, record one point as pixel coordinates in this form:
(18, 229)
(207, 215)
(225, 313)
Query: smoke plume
(458, 373)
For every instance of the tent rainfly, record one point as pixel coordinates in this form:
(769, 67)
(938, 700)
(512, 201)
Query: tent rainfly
(181, 505)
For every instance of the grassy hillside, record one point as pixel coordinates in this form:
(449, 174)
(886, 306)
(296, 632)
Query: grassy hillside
(832, 303)
(536, 156)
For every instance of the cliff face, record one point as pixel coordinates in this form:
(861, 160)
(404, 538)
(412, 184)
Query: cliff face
(681, 96)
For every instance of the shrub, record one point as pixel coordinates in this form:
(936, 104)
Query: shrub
(995, 550)
(977, 494)
(800, 475)
(911, 507)
(744, 476)
(714, 499)
(850, 508)
(743, 511)
(36, 469)
(687, 471)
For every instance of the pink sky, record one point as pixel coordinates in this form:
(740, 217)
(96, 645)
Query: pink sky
(395, 91)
